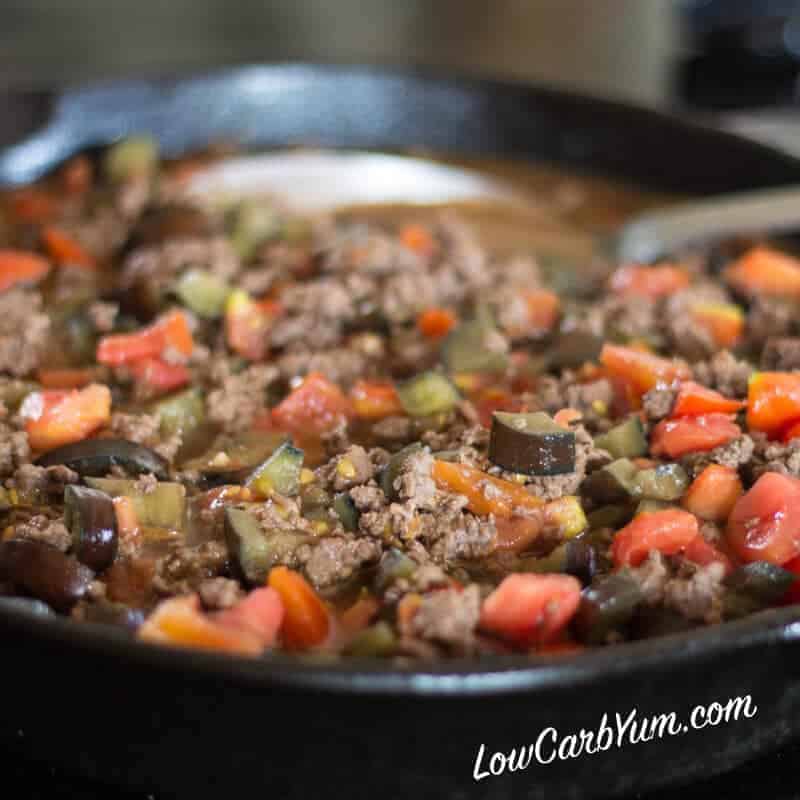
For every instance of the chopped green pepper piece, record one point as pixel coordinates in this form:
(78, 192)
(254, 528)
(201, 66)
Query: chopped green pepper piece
(183, 413)
(202, 292)
(134, 157)
(428, 393)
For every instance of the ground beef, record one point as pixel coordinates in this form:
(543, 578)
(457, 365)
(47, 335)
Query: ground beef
(466, 538)
(736, 454)
(449, 617)
(414, 484)
(342, 365)
(769, 317)
(775, 456)
(685, 337)
(103, 315)
(368, 498)
(335, 559)
(40, 528)
(591, 399)
(145, 429)
(146, 483)
(658, 402)
(14, 450)
(24, 331)
(219, 593)
(48, 480)
(625, 317)
(781, 354)
(239, 396)
(188, 567)
(698, 596)
(351, 468)
(725, 373)
(652, 576)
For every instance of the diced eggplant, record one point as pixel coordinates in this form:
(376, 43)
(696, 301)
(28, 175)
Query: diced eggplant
(531, 444)
(163, 507)
(626, 440)
(89, 514)
(650, 621)
(475, 346)
(573, 349)
(665, 482)
(44, 572)
(428, 393)
(613, 483)
(203, 293)
(754, 587)
(391, 472)
(610, 516)
(376, 641)
(97, 457)
(607, 606)
(345, 509)
(581, 560)
(255, 551)
(182, 413)
(279, 473)
(394, 564)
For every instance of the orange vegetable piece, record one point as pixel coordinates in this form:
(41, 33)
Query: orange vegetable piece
(19, 266)
(773, 401)
(65, 250)
(31, 204)
(260, 613)
(54, 417)
(566, 416)
(125, 513)
(169, 332)
(543, 309)
(65, 378)
(703, 553)
(645, 281)
(314, 407)
(247, 325)
(527, 609)
(765, 522)
(180, 622)
(694, 400)
(713, 493)
(765, 271)
(306, 622)
(724, 321)
(486, 494)
(419, 239)
(359, 615)
(375, 400)
(436, 322)
(641, 370)
(668, 531)
(673, 438)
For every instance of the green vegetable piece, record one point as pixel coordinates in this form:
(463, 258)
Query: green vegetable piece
(163, 507)
(665, 482)
(203, 293)
(608, 605)
(614, 483)
(651, 506)
(428, 393)
(391, 472)
(345, 509)
(232, 458)
(134, 157)
(531, 444)
(279, 473)
(574, 349)
(754, 587)
(475, 346)
(610, 516)
(183, 413)
(374, 642)
(254, 222)
(626, 440)
(393, 565)
(554, 561)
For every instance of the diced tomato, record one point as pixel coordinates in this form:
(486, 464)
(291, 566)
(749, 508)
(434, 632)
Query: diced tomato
(792, 432)
(260, 613)
(305, 623)
(486, 494)
(159, 376)
(765, 522)
(31, 204)
(673, 438)
(314, 407)
(247, 325)
(179, 621)
(793, 595)
(669, 532)
(169, 332)
(714, 493)
(527, 609)
(20, 266)
(703, 553)
(646, 281)
(566, 416)
(375, 400)
(640, 369)
(693, 400)
(65, 378)
(765, 271)
(773, 401)
(725, 322)
(489, 400)
(65, 250)
(436, 322)
(543, 309)
(419, 239)
(54, 418)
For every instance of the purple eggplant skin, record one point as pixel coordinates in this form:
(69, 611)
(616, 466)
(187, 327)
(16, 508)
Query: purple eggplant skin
(89, 514)
(44, 572)
(96, 458)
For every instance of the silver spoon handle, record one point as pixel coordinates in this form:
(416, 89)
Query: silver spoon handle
(658, 233)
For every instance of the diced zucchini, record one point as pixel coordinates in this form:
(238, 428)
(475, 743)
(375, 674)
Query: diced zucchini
(665, 482)
(610, 516)
(232, 458)
(614, 483)
(573, 349)
(279, 473)
(427, 393)
(393, 565)
(391, 472)
(202, 292)
(754, 587)
(164, 507)
(626, 440)
(345, 509)
(607, 606)
(651, 506)
(183, 413)
(254, 222)
(376, 641)
(134, 157)
(475, 346)
(531, 444)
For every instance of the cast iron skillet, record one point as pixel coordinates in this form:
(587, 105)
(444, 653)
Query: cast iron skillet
(197, 725)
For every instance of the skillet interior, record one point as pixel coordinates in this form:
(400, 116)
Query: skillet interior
(271, 106)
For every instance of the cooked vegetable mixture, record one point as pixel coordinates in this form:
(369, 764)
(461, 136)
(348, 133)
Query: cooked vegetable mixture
(224, 426)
